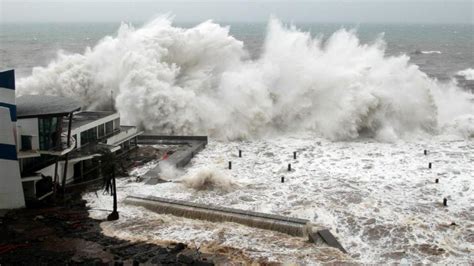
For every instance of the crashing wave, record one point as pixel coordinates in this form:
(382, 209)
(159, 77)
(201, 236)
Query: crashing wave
(201, 80)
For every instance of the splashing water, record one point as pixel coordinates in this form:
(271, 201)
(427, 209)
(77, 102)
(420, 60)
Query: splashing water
(201, 80)
(208, 178)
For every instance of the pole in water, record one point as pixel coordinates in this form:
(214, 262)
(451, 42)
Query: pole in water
(445, 202)
(425, 152)
(230, 165)
(294, 155)
(240, 154)
(289, 167)
(436, 180)
(283, 179)
(429, 166)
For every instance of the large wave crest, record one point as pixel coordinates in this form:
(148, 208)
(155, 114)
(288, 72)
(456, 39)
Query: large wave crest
(200, 80)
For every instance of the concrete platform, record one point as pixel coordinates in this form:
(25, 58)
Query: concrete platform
(193, 144)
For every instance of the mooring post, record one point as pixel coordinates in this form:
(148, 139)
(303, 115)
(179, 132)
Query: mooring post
(445, 202)
(230, 165)
(294, 155)
(283, 179)
(289, 167)
(429, 166)
(425, 152)
(240, 154)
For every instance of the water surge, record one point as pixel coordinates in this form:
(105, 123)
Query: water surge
(200, 80)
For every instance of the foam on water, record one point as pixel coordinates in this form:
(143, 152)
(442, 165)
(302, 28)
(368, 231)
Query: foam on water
(467, 73)
(201, 81)
(379, 199)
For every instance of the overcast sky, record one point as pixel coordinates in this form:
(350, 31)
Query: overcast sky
(354, 11)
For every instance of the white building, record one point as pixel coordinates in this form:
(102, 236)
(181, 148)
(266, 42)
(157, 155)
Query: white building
(54, 139)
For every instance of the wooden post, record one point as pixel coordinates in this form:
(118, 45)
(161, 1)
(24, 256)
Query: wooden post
(230, 165)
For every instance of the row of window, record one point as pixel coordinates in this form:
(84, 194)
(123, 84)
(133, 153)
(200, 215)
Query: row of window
(93, 134)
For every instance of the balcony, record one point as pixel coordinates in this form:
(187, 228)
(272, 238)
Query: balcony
(125, 133)
(61, 149)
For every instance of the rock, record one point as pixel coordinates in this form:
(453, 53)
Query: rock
(185, 259)
(178, 247)
(164, 258)
(39, 217)
(202, 263)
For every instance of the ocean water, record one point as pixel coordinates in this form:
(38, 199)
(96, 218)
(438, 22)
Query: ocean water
(379, 199)
(253, 80)
(358, 106)
(24, 46)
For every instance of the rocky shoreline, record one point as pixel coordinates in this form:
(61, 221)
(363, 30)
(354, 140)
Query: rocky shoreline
(61, 232)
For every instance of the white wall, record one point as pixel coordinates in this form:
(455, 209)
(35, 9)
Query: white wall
(11, 190)
(28, 127)
(49, 171)
(121, 136)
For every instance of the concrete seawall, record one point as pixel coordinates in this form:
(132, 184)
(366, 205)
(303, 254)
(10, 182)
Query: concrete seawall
(288, 225)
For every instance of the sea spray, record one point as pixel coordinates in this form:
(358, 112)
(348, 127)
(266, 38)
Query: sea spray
(200, 80)
(208, 178)
(168, 171)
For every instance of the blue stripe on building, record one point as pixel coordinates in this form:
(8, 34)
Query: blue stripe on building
(7, 79)
(12, 108)
(8, 152)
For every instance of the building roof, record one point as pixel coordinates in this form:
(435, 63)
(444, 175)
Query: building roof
(43, 105)
(86, 117)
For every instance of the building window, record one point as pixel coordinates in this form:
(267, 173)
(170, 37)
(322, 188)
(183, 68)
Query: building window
(26, 143)
(49, 132)
(101, 130)
(88, 136)
(117, 123)
(109, 127)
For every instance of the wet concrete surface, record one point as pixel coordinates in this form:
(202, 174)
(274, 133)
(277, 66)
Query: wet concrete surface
(61, 232)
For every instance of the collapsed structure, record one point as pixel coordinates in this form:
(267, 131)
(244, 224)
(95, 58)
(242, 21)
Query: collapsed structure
(48, 140)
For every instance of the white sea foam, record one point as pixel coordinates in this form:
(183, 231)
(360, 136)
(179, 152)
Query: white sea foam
(431, 52)
(379, 199)
(200, 80)
(467, 73)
